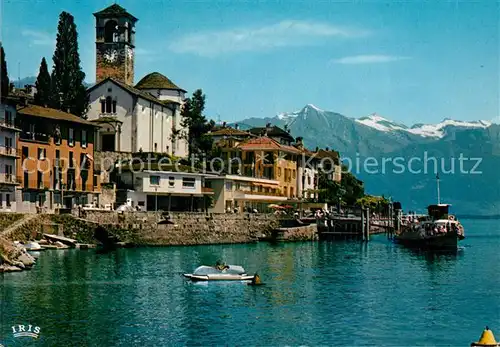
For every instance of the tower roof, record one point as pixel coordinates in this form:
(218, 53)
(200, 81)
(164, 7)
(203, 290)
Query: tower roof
(114, 10)
(156, 80)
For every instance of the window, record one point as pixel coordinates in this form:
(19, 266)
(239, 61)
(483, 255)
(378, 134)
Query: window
(154, 180)
(7, 200)
(279, 172)
(83, 161)
(39, 180)
(110, 31)
(71, 138)
(108, 104)
(32, 131)
(171, 181)
(84, 139)
(156, 147)
(25, 153)
(293, 172)
(114, 106)
(229, 186)
(188, 182)
(26, 180)
(103, 106)
(8, 142)
(42, 153)
(8, 173)
(309, 180)
(95, 181)
(8, 117)
(238, 187)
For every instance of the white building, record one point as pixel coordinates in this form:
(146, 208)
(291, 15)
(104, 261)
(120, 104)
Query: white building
(153, 190)
(133, 120)
(8, 156)
(240, 193)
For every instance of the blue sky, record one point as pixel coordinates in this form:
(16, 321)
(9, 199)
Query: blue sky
(409, 61)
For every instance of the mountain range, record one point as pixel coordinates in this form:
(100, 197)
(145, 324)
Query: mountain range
(403, 161)
(32, 79)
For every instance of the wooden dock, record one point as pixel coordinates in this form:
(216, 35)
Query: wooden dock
(359, 227)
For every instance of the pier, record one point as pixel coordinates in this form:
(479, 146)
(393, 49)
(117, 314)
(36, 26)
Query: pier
(357, 224)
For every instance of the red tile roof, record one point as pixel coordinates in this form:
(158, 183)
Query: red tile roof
(47, 112)
(266, 143)
(229, 131)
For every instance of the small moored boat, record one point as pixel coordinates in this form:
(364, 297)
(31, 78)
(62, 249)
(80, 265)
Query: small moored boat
(226, 273)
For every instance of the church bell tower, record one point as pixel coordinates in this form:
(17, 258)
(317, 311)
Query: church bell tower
(115, 44)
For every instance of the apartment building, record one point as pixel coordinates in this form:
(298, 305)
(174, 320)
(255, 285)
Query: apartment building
(8, 155)
(56, 167)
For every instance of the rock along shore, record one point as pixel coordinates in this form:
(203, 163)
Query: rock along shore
(132, 228)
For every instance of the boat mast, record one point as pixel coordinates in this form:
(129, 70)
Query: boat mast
(437, 180)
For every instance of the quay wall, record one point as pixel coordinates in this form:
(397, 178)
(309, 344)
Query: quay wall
(142, 228)
(185, 228)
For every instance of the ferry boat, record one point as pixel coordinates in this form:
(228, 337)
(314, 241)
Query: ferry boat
(438, 230)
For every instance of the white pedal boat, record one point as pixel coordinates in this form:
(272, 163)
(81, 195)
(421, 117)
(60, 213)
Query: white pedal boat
(210, 273)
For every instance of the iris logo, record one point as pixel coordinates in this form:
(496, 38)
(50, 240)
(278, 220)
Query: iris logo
(26, 331)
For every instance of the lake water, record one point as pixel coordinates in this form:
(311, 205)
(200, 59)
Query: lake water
(343, 293)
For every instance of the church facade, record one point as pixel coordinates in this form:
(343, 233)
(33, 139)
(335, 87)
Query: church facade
(145, 117)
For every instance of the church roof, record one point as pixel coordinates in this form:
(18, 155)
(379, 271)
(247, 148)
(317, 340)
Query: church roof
(114, 11)
(134, 91)
(156, 80)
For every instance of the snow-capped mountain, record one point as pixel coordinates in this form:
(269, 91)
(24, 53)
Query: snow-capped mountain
(426, 130)
(380, 123)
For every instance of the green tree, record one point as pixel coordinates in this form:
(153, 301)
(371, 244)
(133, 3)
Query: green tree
(353, 188)
(43, 87)
(196, 124)
(4, 77)
(328, 190)
(68, 91)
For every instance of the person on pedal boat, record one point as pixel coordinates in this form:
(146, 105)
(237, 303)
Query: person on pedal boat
(221, 266)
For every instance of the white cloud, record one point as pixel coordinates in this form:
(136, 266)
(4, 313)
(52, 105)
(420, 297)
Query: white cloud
(369, 59)
(282, 34)
(40, 38)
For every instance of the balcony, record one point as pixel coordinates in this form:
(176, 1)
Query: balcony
(258, 196)
(8, 179)
(9, 152)
(8, 124)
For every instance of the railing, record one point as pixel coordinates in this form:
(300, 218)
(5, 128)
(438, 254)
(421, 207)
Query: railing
(8, 123)
(29, 136)
(10, 151)
(250, 192)
(8, 178)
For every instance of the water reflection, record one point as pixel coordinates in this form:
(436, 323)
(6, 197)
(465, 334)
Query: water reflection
(316, 293)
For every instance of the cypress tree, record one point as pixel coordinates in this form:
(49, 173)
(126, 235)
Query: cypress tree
(4, 77)
(43, 88)
(68, 91)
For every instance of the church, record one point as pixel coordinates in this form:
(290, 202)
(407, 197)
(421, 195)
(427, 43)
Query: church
(145, 117)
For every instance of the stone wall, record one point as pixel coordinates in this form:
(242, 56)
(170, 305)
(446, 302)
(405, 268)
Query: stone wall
(185, 228)
(302, 233)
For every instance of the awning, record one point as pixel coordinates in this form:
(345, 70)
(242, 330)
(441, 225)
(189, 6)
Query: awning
(265, 185)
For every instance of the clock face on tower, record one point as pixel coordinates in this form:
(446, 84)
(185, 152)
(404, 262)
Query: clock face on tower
(110, 55)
